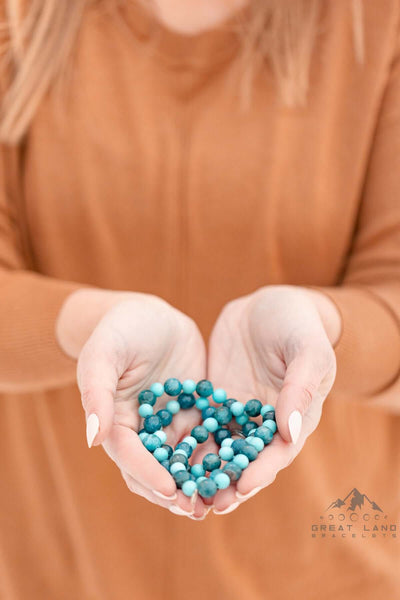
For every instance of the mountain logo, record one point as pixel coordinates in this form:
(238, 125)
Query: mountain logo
(353, 500)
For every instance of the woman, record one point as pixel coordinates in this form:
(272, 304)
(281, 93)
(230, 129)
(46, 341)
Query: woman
(180, 202)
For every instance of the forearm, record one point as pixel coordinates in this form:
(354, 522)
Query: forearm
(329, 313)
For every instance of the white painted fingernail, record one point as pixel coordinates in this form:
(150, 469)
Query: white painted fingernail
(227, 510)
(249, 495)
(294, 423)
(92, 428)
(160, 495)
(179, 511)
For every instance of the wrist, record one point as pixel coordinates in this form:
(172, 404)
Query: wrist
(331, 316)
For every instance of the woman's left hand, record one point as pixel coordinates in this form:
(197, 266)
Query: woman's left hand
(275, 345)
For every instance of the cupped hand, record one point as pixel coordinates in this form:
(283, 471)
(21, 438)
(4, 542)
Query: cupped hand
(273, 345)
(139, 341)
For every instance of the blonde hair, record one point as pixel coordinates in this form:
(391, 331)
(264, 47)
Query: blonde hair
(36, 42)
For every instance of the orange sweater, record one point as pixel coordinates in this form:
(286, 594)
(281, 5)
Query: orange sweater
(152, 180)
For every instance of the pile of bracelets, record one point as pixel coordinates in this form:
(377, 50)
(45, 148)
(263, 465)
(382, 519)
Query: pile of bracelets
(207, 477)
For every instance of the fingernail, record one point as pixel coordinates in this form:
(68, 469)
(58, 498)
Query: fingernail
(179, 511)
(92, 428)
(294, 423)
(160, 495)
(227, 510)
(248, 495)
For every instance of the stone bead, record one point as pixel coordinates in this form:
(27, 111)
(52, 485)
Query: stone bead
(208, 412)
(185, 447)
(189, 439)
(242, 419)
(175, 458)
(157, 389)
(202, 403)
(189, 487)
(269, 415)
(219, 395)
(168, 449)
(233, 471)
(201, 478)
(204, 388)
(238, 445)
(221, 434)
(226, 453)
(165, 416)
(165, 464)
(227, 442)
(210, 424)
(211, 461)
(241, 460)
(247, 427)
(264, 433)
(145, 410)
(147, 397)
(228, 403)
(176, 466)
(214, 473)
(253, 407)
(223, 415)
(143, 435)
(197, 470)
(270, 424)
(180, 477)
(207, 488)
(173, 407)
(186, 401)
(250, 451)
(152, 442)
(189, 386)
(160, 454)
(172, 386)
(256, 442)
(266, 408)
(161, 435)
(222, 481)
(152, 424)
(237, 409)
(199, 433)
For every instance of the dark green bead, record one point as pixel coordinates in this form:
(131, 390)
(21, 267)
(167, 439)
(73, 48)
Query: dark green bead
(199, 433)
(223, 415)
(172, 386)
(180, 477)
(269, 415)
(185, 447)
(221, 434)
(179, 458)
(211, 461)
(229, 401)
(253, 408)
(165, 417)
(186, 400)
(250, 452)
(247, 427)
(232, 470)
(204, 388)
(264, 433)
(152, 424)
(168, 449)
(238, 445)
(147, 397)
(207, 412)
(207, 488)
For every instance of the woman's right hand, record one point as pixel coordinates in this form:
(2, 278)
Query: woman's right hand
(139, 340)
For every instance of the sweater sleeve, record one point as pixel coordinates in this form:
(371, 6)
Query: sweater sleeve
(30, 356)
(368, 297)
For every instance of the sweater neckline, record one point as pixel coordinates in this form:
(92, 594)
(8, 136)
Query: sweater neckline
(177, 49)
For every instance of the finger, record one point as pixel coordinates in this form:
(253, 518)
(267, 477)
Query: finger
(300, 386)
(97, 378)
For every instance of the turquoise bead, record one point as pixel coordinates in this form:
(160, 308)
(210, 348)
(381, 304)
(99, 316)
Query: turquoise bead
(173, 407)
(256, 442)
(172, 386)
(241, 460)
(242, 419)
(198, 470)
(211, 461)
(160, 454)
(189, 386)
(181, 451)
(266, 408)
(226, 453)
(219, 395)
(223, 415)
(222, 481)
(202, 403)
(227, 443)
(161, 435)
(233, 471)
(211, 424)
(253, 407)
(177, 466)
(143, 435)
(189, 488)
(200, 433)
(157, 389)
(237, 409)
(179, 458)
(214, 473)
(206, 488)
(250, 452)
(264, 433)
(145, 410)
(180, 477)
(152, 442)
(147, 397)
(186, 400)
(152, 424)
(270, 424)
(189, 439)
(200, 479)
(204, 388)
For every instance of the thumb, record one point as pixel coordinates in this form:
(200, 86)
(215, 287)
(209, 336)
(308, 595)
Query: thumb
(97, 377)
(300, 385)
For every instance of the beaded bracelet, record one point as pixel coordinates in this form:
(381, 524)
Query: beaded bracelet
(236, 453)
